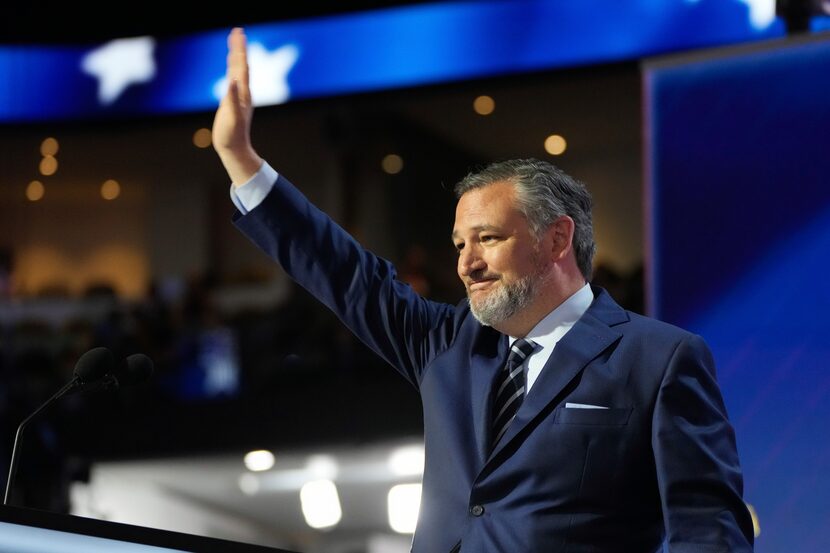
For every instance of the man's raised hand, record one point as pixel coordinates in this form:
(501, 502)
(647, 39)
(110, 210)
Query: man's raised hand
(232, 123)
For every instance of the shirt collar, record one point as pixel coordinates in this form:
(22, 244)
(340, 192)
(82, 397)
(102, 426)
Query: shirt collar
(550, 330)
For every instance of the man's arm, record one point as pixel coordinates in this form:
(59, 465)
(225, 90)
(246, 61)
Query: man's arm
(232, 123)
(359, 287)
(697, 460)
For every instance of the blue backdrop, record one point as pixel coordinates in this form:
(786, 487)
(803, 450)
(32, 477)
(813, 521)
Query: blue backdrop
(381, 49)
(739, 230)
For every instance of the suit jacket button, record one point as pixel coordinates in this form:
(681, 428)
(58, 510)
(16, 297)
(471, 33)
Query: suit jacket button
(477, 510)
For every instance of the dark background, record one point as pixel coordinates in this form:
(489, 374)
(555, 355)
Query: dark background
(77, 23)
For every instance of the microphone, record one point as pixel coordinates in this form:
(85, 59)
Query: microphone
(91, 367)
(135, 369)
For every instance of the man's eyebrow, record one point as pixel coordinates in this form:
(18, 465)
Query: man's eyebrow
(478, 228)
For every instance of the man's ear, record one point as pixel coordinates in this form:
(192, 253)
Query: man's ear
(561, 232)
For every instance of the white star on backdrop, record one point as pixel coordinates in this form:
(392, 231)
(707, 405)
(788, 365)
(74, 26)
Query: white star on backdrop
(119, 64)
(761, 12)
(269, 74)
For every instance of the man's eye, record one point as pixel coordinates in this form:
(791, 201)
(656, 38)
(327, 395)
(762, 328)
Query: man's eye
(459, 247)
(488, 238)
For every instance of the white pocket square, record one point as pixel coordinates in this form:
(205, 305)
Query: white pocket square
(583, 406)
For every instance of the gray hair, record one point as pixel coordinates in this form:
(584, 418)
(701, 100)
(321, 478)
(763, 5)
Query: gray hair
(543, 194)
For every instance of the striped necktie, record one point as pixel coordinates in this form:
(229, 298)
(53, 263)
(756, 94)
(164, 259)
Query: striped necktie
(510, 388)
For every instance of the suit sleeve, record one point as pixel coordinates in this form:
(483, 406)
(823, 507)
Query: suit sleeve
(359, 287)
(696, 457)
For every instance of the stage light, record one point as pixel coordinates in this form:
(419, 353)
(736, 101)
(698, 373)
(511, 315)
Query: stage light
(322, 467)
(35, 191)
(202, 138)
(49, 147)
(110, 189)
(756, 524)
(48, 165)
(555, 145)
(259, 460)
(403, 504)
(407, 461)
(392, 164)
(320, 504)
(484, 105)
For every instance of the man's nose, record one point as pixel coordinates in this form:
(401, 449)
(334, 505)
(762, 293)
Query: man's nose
(469, 261)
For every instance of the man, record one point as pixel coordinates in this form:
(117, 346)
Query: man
(605, 431)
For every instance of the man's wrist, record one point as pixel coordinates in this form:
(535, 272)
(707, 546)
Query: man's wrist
(241, 166)
(252, 192)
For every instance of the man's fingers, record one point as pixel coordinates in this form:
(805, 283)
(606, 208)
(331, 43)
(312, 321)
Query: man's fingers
(237, 49)
(233, 92)
(238, 65)
(238, 69)
(236, 38)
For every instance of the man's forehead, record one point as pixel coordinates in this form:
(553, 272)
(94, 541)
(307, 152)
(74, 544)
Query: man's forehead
(487, 200)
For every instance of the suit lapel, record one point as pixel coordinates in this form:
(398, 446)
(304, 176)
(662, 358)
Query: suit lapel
(588, 338)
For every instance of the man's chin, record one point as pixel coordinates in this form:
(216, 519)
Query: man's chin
(492, 307)
(484, 314)
(478, 301)
(483, 321)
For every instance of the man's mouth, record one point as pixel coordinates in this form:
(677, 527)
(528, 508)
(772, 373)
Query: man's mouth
(481, 284)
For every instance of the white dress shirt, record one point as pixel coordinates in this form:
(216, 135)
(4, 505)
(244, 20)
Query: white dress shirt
(251, 193)
(547, 332)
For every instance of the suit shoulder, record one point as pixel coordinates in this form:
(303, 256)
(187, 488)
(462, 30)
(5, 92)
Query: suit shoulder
(660, 330)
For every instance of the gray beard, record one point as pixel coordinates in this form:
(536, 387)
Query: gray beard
(505, 302)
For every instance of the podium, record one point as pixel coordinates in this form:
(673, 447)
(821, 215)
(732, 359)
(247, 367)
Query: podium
(32, 531)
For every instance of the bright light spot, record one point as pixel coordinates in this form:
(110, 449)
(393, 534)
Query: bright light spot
(392, 164)
(269, 74)
(259, 460)
(221, 369)
(110, 189)
(756, 525)
(407, 461)
(320, 504)
(48, 165)
(49, 147)
(35, 191)
(249, 484)
(322, 467)
(761, 13)
(119, 64)
(403, 503)
(555, 145)
(484, 105)
(202, 138)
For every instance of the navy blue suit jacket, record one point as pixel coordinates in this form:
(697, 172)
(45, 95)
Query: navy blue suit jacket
(659, 463)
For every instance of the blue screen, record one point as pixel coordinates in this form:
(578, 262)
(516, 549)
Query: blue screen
(369, 51)
(739, 231)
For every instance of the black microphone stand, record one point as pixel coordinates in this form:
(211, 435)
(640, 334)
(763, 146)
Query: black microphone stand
(13, 465)
(95, 370)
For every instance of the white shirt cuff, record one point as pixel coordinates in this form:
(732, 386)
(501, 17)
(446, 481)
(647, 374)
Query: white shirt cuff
(251, 193)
